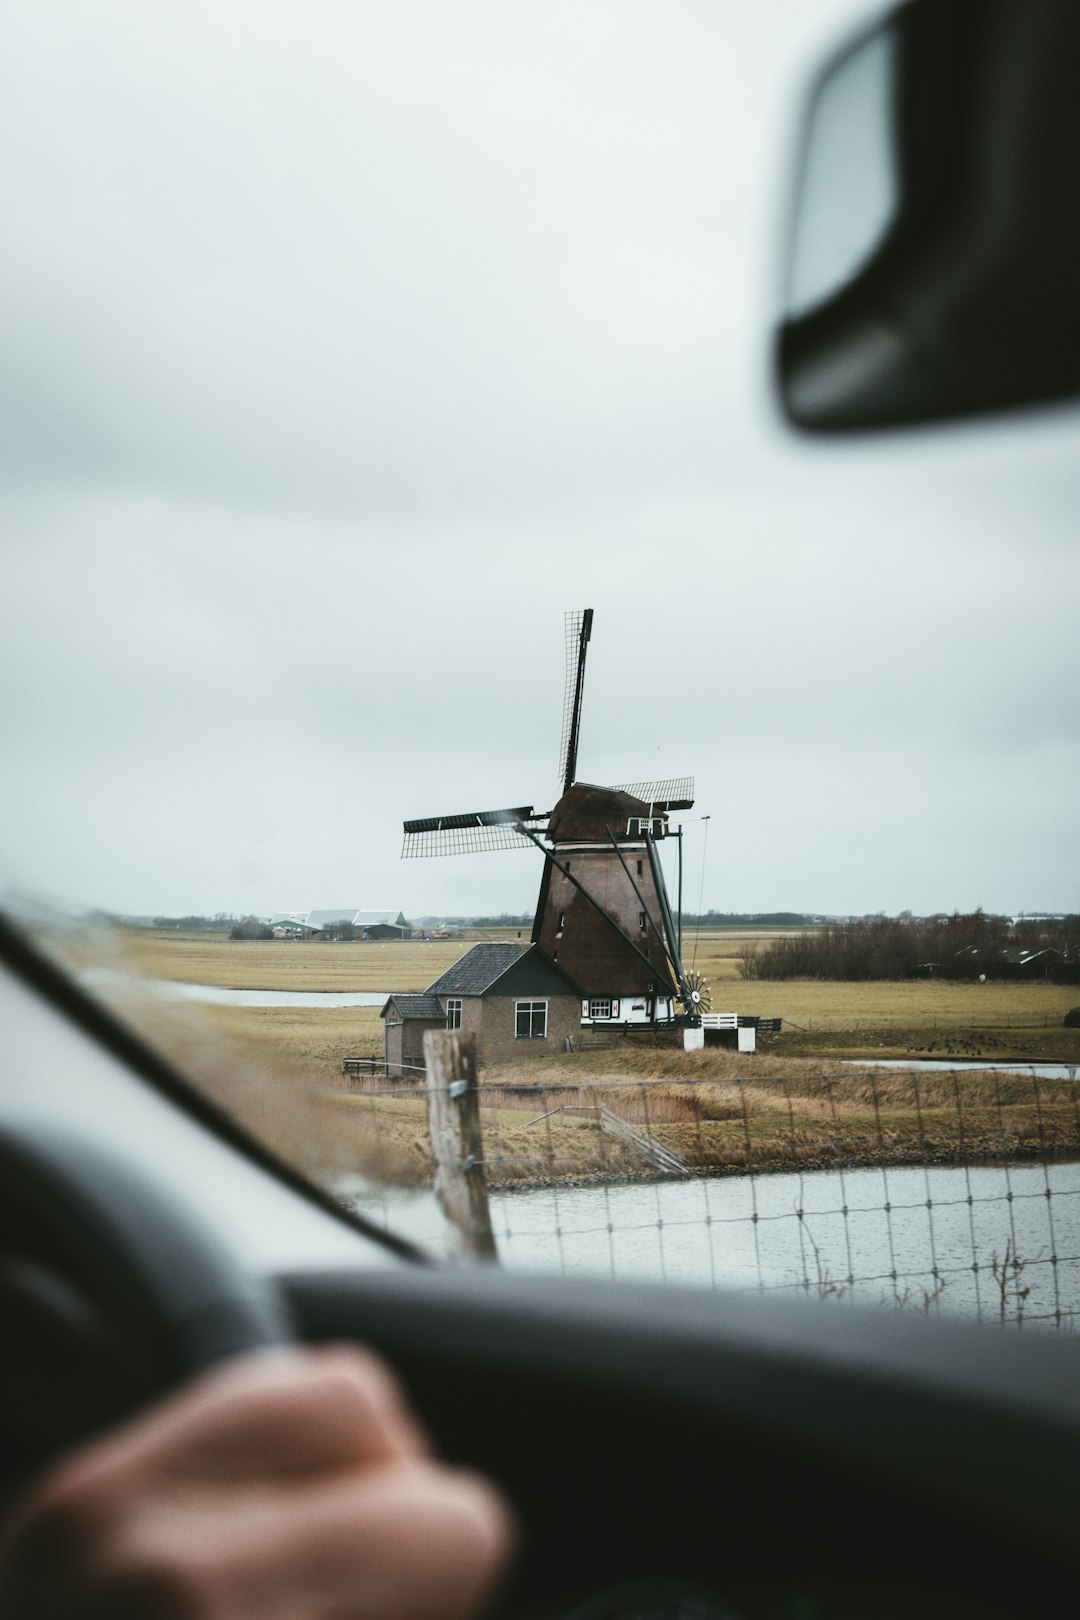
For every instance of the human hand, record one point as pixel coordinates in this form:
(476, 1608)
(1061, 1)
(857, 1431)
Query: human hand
(292, 1486)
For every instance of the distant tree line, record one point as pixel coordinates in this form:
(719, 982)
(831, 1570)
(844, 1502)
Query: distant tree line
(969, 946)
(220, 923)
(734, 919)
(250, 928)
(341, 929)
(505, 919)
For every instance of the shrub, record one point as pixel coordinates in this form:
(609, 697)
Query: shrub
(956, 947)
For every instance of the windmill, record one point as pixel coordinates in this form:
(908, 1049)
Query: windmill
(603, 912)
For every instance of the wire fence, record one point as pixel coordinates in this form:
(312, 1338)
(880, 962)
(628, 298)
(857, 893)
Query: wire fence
(956, 1191)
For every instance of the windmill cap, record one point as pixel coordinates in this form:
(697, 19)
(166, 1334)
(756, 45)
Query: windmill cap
(586, 811)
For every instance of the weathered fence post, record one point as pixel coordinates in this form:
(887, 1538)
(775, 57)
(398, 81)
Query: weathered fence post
(456, 1142)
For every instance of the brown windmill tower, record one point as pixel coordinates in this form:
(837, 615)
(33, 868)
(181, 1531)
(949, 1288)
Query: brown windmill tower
(603, 912)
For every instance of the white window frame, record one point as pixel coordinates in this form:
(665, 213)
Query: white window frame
(600, 1007)
(530, 1010)
(640, 826)
(453, 1012)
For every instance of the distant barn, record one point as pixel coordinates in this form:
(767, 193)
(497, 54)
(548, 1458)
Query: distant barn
(340, 921)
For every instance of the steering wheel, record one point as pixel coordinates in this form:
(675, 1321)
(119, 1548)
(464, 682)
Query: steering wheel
(110, 1291)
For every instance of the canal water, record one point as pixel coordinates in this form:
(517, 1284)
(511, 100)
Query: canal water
(222, 996)
(1049, 1071)
(987, 1241)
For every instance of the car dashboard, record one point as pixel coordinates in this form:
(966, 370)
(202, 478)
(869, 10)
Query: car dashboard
(670, 1454)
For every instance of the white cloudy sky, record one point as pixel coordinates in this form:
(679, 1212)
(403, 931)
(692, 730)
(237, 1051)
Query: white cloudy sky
(343, 346)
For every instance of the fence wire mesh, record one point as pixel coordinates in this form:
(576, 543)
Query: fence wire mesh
(941, 1192)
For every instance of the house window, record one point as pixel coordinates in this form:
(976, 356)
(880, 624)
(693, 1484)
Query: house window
(562, 921)
(600, 1007)
(531, 1020)
(641, 921)
(639, 868)
(453, 1012)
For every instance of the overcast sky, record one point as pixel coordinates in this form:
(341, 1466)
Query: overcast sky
(344, 346)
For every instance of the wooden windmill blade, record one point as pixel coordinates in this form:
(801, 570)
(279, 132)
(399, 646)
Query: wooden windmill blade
(471, 833)
(578, 632)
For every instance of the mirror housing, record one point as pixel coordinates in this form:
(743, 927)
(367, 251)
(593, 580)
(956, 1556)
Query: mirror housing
(934, 264)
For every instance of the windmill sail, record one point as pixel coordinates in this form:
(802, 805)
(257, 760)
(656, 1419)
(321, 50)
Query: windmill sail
(472, 833)
(578, 632)
(671, 793)
(603, 914)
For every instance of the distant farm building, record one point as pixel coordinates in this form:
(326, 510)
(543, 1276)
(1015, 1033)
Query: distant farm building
(344, 921)
(1048, 963)
(506, 995)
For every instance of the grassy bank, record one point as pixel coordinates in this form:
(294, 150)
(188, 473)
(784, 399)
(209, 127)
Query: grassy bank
(724, 1127)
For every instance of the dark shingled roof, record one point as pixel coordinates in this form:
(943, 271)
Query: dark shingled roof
(585, 812)
(477, 969)
(421, 1004)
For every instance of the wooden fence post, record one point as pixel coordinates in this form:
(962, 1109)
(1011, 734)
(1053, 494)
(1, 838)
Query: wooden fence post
(456, 1142)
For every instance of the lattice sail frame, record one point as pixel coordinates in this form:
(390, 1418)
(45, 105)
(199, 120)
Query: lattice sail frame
(481, 831)
(670, 793)
(473, 834)
(577, 630)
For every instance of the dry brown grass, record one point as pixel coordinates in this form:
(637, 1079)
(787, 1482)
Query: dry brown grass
(820, 1004)
(275, 1077)
(716, 952)
(548, 1134)
(283, 964)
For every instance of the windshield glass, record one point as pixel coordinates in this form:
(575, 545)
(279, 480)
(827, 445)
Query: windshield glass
(346, 349)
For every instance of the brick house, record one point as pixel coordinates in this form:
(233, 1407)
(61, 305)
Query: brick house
(511, 997)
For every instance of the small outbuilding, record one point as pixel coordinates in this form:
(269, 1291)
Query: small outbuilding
(505, 994)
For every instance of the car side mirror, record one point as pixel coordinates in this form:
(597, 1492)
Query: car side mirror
(934, 247)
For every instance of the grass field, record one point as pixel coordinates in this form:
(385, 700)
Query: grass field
(202, 958)
(279, 1069)
(715, 952)
(886, 1018)
(282, 964)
